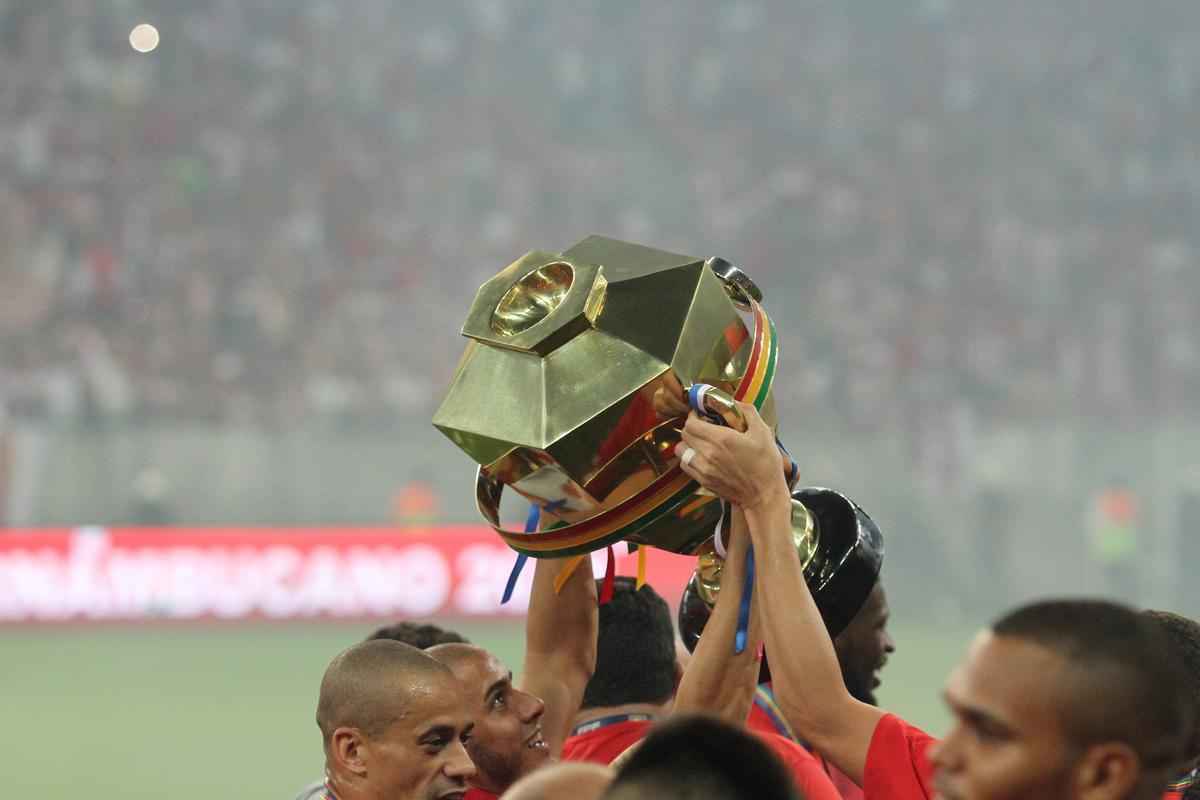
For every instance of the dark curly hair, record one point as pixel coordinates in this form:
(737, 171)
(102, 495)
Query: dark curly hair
(421, 635)
(1184, 637)
(635, 652)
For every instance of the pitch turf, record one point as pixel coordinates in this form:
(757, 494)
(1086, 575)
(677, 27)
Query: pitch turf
(203, 712)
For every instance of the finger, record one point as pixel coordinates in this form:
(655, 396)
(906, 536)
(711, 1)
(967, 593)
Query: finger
(753, 418)
(688, 459)
(700, 428)
(690, 439)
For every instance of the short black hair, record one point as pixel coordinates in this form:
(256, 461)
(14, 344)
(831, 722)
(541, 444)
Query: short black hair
(421, 635)
(1184, 637)
(1124, 685)
(635, 651)
(688, 758)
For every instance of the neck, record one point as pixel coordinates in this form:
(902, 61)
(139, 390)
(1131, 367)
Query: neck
(341, 789)
(591, 714)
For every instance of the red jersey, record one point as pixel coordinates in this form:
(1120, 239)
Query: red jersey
(897, 765)
(766, 717)
(602, 745)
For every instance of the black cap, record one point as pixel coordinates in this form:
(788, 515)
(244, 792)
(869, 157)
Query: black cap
(840, 576)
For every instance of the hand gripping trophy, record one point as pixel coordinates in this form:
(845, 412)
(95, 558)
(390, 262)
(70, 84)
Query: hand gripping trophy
(580, 370)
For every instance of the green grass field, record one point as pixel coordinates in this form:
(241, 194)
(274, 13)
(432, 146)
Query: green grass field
(206, 712)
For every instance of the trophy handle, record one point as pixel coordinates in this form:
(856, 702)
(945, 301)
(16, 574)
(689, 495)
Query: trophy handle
(738, 285)
(806, 535)
(717, 406)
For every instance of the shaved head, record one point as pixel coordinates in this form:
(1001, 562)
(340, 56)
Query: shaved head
(368, 686)
(454, 654)
(575, 779)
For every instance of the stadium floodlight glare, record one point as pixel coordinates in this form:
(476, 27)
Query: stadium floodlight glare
(144, 38)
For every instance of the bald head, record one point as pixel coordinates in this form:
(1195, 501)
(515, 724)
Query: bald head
(576, 780)
(455, 654)
(369, 686)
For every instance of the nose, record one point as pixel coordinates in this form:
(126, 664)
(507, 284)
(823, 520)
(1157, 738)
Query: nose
(889, 644)
(458, 763)
(946, 754)
(530, 708)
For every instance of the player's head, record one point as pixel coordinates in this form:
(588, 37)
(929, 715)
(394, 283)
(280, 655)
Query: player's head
(393, 722)
(421, 635)
(1184, 637)
(577, 780)
(692, 757)
(863, 647)
(635, 650)
(1068, 699)
(507, 741)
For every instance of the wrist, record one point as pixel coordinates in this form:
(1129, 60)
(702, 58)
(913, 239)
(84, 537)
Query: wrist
(773, 502)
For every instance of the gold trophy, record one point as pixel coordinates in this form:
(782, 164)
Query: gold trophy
(573, 389)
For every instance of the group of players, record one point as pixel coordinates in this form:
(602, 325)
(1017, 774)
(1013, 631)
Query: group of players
(1068, 699)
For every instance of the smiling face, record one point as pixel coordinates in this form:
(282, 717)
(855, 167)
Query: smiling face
(863, 647)
(1008, 740)
(507, 740)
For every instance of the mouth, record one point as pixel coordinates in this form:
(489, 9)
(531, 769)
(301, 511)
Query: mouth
(458, 794)
(876, 681)
(943, 792)
(535, 740)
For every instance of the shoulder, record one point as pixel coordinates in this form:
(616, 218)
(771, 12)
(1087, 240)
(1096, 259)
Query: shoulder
(313, 791)
(897, 761)
(604, 745)
(806, 770)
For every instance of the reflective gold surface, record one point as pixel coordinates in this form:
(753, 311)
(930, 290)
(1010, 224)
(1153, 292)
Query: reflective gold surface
(805, 535)
(531, 299)
(571, 390)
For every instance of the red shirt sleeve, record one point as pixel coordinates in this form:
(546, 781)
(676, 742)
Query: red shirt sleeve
(806, 771)
(897, 765)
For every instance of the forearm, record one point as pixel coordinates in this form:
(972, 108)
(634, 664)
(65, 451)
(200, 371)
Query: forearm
(560, 643)
(718, 681)
(806, 675)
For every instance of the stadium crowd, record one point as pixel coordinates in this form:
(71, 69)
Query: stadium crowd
(958, 209)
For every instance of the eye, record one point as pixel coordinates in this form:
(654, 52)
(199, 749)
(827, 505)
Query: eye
(986, 734)
(434, 746)
(498, 701)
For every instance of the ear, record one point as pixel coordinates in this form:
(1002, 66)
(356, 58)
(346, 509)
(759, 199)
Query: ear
(348, 749)
(1107, 771)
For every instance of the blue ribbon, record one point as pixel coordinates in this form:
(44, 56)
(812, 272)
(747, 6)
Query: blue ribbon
(743, 626)
(531, 523)
(696, 401)
(793, 468)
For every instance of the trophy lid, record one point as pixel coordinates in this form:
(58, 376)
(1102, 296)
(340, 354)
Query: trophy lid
(561, 344)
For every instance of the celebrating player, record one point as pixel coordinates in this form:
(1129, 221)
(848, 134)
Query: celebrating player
(1067, 699)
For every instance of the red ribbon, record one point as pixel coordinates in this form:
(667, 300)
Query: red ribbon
(610, 573)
